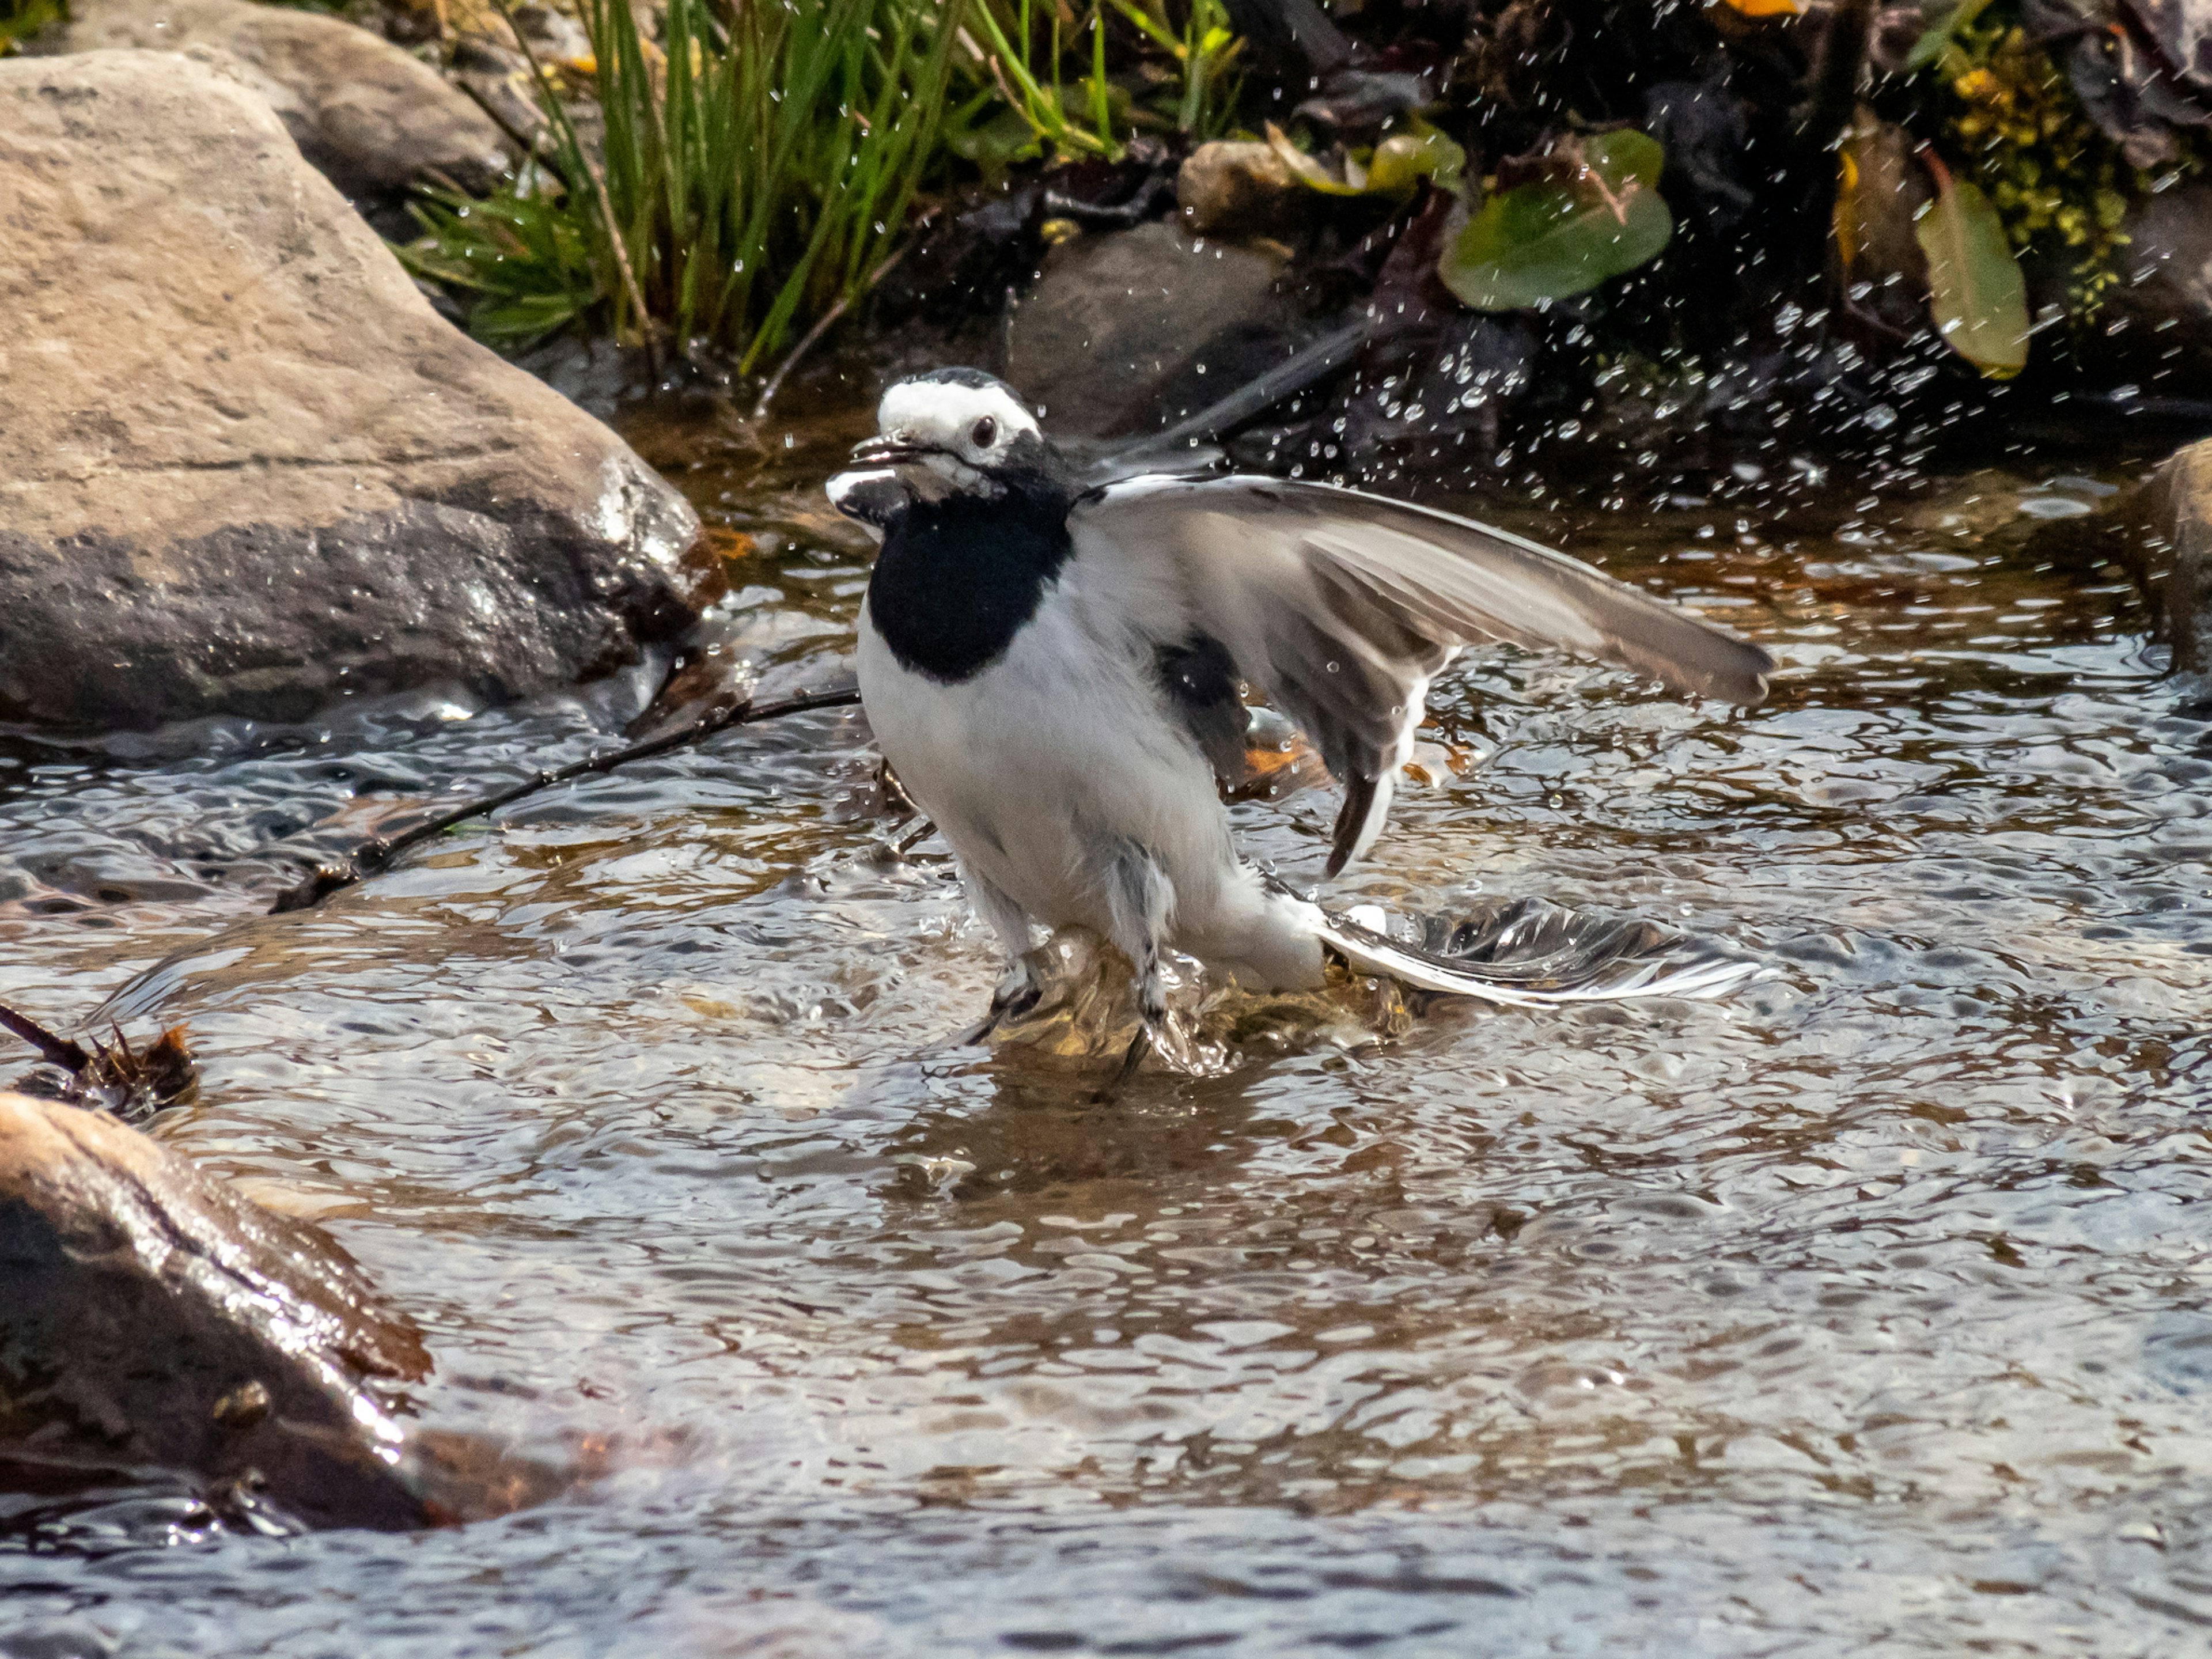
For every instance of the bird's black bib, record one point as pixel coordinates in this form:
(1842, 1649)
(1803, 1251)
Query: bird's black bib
(957, 579)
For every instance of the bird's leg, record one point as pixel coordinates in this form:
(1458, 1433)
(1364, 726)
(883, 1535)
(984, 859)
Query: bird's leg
(1019, 987)
(1139, 898)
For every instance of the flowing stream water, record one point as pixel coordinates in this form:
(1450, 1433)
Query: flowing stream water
(1870, 1309)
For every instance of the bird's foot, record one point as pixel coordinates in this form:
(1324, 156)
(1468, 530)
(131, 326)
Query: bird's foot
(1139, 1045)
(1152, 1011)
(1018, 992)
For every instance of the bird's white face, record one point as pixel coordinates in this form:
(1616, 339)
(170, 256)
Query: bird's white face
(959, 431)
(935, 438)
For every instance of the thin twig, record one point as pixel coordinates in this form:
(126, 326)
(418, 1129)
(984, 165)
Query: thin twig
(1013, 101)
(621, 249)
(535, 146)
(791, 359)
(827, 318)
(55, 1050)
(377, 853)
(1279, 384)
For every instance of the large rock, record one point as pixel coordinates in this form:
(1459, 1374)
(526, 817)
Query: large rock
(149, 1317)
(250, 470)
(1132, 329)
(372, 119)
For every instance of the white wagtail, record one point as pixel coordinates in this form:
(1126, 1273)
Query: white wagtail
(1055, 672)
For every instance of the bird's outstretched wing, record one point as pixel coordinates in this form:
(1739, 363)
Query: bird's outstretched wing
(1340, 605)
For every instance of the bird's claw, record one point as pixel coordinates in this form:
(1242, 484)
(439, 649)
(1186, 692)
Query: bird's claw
(1017, 992)
(1013, 1001)
(1139, 1045)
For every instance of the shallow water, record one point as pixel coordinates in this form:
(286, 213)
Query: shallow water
(1870, 1307)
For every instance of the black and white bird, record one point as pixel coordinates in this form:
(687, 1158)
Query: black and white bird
(1055, 672)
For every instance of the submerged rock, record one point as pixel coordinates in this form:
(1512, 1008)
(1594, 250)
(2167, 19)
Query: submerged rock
(249, 470)
(1135, 329)
(374, 119)
(151, 1317)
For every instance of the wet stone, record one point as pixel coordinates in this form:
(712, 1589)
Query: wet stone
(2166, 544)
(2155, 327)
(1231, 188)
(1135, 329)
(967, 258)
(251, 472)
(371, 118)
(152, 1318)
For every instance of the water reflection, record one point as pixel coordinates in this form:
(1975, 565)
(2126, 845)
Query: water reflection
(1867, 1305)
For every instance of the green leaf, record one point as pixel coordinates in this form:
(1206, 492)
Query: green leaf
(1598, 215)
(998, 143)
(1979, 301)
(1396, 168)
(1404, 159)
(1309, 172)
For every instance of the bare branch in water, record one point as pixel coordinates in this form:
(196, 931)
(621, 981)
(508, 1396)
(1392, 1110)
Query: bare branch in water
(54, 1050)
(131, 1082)
(376, 854)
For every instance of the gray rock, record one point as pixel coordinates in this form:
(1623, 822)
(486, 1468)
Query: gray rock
(250, 470)
(371, 118)
(1231, 188)
(151, 1317)
(1116, 332)
(2164, 536)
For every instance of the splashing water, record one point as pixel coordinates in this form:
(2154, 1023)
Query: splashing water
(1869, 1303)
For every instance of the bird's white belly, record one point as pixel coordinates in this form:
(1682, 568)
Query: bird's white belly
(1042, 765)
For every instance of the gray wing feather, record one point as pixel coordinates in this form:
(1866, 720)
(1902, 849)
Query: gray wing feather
(1340, 605)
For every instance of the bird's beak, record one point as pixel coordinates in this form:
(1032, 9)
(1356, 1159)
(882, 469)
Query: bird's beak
(888, 449)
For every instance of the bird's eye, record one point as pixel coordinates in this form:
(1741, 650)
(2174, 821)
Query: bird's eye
(984, 432)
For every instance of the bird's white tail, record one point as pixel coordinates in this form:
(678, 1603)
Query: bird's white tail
(1530, 952)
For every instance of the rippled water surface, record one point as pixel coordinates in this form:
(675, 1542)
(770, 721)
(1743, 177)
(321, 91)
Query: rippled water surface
(1871, 1308)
